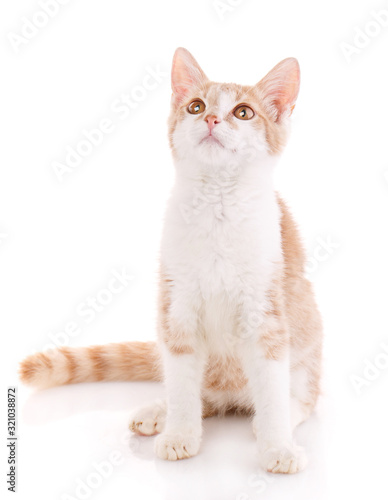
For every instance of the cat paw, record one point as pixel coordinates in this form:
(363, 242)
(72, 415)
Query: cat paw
(148, 420)
(283, 459)
(176, 446)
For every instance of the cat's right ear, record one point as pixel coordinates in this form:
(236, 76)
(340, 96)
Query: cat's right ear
(186, 74)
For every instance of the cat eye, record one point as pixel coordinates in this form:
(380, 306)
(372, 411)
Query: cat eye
(243, 112)
(196, 107)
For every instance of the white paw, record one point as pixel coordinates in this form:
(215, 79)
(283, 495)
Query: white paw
(283, 459)
(176, 446)
(148, 420)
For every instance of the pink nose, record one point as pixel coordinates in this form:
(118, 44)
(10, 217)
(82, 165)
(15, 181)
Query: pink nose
(212, 121)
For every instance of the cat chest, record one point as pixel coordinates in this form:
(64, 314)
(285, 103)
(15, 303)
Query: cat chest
(223, 257)
(218, 322)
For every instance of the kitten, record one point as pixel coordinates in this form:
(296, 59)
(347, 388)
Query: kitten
(238, 327)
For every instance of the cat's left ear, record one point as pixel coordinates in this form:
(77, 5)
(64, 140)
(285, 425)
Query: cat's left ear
(185, 75)
(280, 88)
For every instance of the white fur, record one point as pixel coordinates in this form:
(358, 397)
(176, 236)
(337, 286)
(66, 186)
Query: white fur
(183, 430)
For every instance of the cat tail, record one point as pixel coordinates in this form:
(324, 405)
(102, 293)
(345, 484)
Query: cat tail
(112, 362)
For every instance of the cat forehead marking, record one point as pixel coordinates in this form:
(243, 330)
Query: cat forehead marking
(221, 99)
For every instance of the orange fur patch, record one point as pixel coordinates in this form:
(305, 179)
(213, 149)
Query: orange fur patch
(171, 333)
(274, 337)
(224, 374)
(32, 365)
(303, 318)
(100, 364)
(71, 364)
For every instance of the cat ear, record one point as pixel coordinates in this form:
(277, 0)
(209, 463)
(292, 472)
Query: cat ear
(280, 88)
(186, 74)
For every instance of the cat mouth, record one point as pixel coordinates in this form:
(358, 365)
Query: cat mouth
(210, 139)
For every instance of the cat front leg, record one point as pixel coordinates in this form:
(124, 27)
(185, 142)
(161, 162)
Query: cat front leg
(183, 364)
(270, 387)
(265, 355)
(181, 437)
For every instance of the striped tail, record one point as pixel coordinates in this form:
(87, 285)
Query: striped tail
(111, 362)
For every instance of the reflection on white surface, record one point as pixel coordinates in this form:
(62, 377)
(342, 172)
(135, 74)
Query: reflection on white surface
(80, 435)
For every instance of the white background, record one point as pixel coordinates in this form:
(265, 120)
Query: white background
(60, 240)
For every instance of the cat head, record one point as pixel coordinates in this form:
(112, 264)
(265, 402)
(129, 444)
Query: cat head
(216, 124)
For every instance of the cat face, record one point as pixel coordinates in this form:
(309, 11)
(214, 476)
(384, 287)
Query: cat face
(217, 124)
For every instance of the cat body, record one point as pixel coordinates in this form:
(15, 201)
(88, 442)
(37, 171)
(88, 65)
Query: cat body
(226, 249)
(238, 328)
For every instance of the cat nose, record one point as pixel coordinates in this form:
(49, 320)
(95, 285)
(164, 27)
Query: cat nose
(212, 121)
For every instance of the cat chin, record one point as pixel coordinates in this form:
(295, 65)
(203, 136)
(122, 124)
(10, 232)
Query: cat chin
(213, 154)
(214, 157)
(209, 154)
